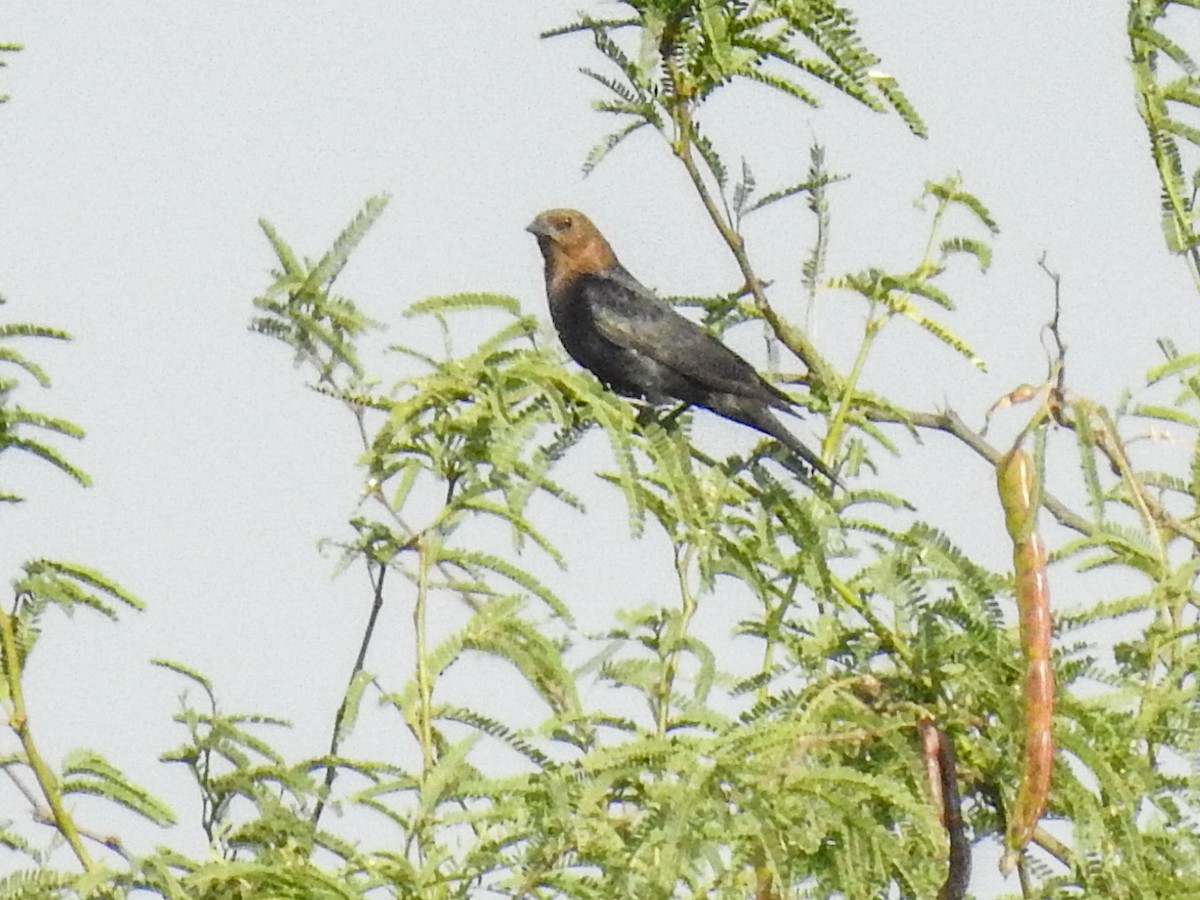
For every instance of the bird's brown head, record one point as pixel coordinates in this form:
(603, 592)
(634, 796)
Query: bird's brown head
(571, 245)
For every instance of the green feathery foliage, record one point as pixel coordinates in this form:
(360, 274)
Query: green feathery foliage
(1166, 83)
(300, 310)
(16, 422)
(686, 51)
(648, 760)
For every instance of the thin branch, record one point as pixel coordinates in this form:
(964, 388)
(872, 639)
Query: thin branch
(19, 723)
(681, 145)
(1058, 359)
(949, 422)
(336, 738)
(1053, 846)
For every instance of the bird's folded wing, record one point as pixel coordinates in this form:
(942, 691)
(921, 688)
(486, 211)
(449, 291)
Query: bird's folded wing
(627, 314)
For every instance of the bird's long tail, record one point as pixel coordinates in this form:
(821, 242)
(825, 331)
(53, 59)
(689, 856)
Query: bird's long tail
(758, 415)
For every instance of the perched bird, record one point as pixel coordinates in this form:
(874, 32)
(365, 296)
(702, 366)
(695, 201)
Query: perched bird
(638, 345)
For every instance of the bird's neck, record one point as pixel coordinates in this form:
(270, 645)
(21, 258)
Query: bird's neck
(564, 265)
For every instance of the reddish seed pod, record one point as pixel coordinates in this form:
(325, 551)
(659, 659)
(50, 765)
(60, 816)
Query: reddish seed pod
(941, 770)
(930, 738)
(1016, 479)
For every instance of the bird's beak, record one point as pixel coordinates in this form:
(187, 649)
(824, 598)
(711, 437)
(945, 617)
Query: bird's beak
(538, 227)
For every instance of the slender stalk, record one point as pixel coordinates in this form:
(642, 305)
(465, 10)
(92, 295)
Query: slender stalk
(875, 323)
(1027, 888)
(1110, 443)
(19, 722)
(336, 738)
(44, 816)
(424, 681)
(666, 685)
(892, 639)
(833, 437)
(815, 264)
(771, 622)
(1159, 649)
(1053, 846)
(793, 338)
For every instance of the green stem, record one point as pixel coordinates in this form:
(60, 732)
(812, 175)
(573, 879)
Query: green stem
(19, 722)
(772, 619)
(424, 681)
(1023, 876)
(674, 639)
(833, 437)
(875, 323)
(893, 640)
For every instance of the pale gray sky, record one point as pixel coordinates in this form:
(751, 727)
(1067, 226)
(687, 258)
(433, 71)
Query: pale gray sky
(143, 141)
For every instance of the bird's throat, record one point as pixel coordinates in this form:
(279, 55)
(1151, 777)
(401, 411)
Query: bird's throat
(566, 264)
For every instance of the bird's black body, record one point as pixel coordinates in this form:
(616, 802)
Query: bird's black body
(638, 345)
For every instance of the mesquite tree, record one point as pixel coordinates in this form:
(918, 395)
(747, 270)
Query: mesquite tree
(905, 702)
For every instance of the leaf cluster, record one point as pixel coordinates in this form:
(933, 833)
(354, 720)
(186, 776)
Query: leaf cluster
(20, 427)
(682, 52)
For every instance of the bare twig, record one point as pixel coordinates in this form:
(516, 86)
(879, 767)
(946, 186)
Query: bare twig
(1058, 359)
(359, 662)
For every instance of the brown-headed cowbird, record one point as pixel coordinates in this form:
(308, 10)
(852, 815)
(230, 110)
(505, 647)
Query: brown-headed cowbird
(638, 345)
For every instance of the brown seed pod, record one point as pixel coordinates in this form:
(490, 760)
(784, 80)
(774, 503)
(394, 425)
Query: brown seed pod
(941, 769)
(1016, 479)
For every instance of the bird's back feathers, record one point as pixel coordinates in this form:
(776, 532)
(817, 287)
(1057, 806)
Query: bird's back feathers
(629, 315)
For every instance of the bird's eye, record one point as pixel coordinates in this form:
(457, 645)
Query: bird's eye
(564, 223)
